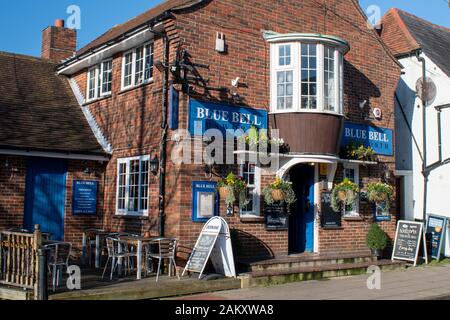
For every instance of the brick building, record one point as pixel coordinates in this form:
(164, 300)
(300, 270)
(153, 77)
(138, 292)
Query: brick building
(313, 71)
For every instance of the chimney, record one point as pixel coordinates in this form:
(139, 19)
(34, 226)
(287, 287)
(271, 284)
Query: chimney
(58, 42)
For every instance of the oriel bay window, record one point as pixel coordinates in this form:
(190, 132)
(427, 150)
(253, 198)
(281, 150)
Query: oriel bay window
(133, 186)
(137, 66)
(306, 73)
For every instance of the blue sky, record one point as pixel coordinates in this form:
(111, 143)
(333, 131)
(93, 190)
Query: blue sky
(22, 21)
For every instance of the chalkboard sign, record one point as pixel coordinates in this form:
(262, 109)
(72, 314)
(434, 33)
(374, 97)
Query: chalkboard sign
(407, 241)
(435, 232)
(84, 199)
(277, 217)
(329, 218)
(202, 252)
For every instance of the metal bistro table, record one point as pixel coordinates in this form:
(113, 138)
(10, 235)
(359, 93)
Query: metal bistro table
(137, 241)
(99, 236)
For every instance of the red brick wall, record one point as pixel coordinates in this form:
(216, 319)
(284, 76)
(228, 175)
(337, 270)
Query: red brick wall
(58, 43)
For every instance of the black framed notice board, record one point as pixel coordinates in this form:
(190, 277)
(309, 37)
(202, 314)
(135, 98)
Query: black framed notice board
(277, 217)
(329, 218)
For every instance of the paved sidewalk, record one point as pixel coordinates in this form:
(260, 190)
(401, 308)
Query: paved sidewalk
(412, 284)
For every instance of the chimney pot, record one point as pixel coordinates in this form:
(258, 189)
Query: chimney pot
(59, 23)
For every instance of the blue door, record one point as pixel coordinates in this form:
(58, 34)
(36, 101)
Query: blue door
(45, 195)
(301, 221)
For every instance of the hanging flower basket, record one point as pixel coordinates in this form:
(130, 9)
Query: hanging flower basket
(344, 194)
(277, 195)
(224, 192)
(381, 194)
(233, 188)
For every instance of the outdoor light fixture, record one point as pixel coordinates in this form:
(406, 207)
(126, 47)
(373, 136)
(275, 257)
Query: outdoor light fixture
(159, 65)
(154, 165)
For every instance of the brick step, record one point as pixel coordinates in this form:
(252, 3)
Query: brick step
(305, 261)
(280, 276)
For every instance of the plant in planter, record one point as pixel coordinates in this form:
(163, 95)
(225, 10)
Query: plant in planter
(344, 194)
(381, 194)
(279, 191)
(355, 152)
(376, 240)
(233, 188)
(258, 140)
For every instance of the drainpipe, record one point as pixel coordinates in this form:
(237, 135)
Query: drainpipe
(163, 145)
(425, 172)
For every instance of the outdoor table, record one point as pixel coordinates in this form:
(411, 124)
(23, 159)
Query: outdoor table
(137, 241)
(99, 234)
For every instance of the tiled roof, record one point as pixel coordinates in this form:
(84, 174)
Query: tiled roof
(405, 33)
(140, 20)
(38, 111)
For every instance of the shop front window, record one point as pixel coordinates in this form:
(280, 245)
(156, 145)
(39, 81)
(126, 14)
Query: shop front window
(351, 172)
(251, 175)
(133, 186)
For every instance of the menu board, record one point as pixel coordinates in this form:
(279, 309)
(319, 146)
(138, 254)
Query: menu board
(435, 232)
(329, 218)
(202, 251)
(277, 217)
(84, 199)
(407, 241)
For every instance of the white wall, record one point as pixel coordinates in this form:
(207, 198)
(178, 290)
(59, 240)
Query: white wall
(408, 156)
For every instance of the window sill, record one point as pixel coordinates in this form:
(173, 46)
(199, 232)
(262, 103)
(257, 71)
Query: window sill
(130, 217)
(353, 218)
(252, 219)
(107, 96)
(128, 89)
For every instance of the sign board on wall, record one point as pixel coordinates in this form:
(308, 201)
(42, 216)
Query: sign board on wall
(84, 198)
(435, 234)
(379, 139)
(329, 218)
(205, 203)
(206, 115)
(213, 243)
(407, 241)
(277, 217)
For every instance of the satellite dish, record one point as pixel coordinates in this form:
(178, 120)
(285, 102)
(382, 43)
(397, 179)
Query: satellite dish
(428, 91)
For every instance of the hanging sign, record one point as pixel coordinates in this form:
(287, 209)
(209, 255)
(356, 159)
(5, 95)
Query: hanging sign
(435, 233)
(213, 243)
(84, 198)
(174, 106)
(206, 115)
(407, 241)
(329, 218)
(379, 139)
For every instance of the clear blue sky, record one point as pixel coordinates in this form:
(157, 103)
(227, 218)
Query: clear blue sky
(22, 21)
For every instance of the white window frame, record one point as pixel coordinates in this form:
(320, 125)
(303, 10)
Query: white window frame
(98, 81)
(256, 212)
(296, 67)
(355, 212)
(133, 64)
(126, 212)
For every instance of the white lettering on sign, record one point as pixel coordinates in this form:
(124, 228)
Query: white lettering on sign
(355, 133)
(221, 115)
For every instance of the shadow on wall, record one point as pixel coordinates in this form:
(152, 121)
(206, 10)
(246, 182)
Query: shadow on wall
(246, 245)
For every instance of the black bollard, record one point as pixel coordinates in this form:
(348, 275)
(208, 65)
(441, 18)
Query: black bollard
(42, 293)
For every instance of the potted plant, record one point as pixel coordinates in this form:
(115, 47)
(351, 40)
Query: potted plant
(344, 194)
(232, 188)
(376, 240)
(381, 194)
(279, 191)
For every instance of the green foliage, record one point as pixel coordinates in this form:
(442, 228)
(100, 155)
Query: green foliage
(237, 189)
(349, 190)
(379, 192)
(376, 238)
(359, 152)
(285, 187)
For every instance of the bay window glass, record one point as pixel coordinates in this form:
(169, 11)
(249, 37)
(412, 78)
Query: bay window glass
(329, 80)
(133, 186)
(309, 76)
(284, 55)
(285, 87)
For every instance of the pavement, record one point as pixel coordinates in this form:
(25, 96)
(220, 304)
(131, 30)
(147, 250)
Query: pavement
(421, 283)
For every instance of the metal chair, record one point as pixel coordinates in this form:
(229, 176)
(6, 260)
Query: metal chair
(167, 249)
(117, 250)
(58, 257)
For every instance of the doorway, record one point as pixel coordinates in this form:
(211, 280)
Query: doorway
(45, 195)
(301, 221)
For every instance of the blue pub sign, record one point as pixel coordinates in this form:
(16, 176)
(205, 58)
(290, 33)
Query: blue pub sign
(84, 199)
(207, 115)
(379, 139)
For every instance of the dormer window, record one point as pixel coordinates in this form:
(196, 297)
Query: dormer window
(306, 73)
(137, 66)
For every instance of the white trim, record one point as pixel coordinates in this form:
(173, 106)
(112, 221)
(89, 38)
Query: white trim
(274, 37)
(133, 83)
(355, 167)
(58, 155)
(126, 212)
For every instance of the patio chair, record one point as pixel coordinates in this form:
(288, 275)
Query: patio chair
(114, 254)
(167, 248)
(58, 257)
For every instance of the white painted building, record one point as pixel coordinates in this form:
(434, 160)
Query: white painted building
(409, 38)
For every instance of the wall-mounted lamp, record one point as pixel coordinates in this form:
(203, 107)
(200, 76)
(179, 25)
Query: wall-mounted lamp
(154, 165)
(159, 65)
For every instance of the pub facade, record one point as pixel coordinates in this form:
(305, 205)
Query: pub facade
(311, 76)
